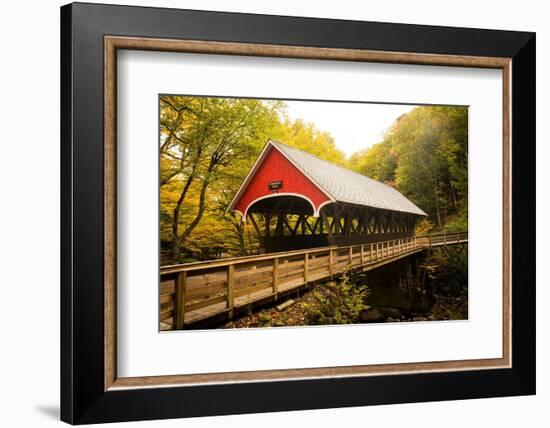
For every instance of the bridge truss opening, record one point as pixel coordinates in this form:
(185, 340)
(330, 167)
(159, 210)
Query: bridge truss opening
(289, 223)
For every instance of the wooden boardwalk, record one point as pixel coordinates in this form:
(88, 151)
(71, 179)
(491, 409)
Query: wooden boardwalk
(196, 293)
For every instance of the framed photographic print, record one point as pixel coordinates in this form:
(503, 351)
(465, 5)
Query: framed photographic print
(265, 213)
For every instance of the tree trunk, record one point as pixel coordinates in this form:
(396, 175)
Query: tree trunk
(240, 228)
(202, 203)
(437, 210)
(176, 242)
(453, 197)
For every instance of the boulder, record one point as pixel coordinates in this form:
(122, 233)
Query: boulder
(390, 312)
(371, 315)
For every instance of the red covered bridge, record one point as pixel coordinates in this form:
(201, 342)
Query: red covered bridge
(296, 200)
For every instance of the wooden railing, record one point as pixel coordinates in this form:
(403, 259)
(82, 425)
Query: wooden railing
(197, 291)
(443, 239)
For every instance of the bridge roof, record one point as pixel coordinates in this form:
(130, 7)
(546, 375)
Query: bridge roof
(339, 184)
(348, 186)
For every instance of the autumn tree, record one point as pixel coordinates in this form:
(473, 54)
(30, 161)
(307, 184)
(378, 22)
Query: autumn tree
(201, 141)
(307, 137)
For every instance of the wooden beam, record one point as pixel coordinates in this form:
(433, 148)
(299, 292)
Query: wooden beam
(253, 221)
(346, 228)
(360, 226)
(295, 230)
(337, 219)
(386, 222)
(287, 224)
(303, 222)
(309, 225)
(179, 300)
(279, 227)
(306, 270)
(372, 222)
(325, 220)
(267, 223)
(276, 276)
(230, 286)
(316, 224)
(330, 263)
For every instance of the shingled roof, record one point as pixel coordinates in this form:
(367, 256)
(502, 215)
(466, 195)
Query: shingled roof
(344, 185)
(337, 183)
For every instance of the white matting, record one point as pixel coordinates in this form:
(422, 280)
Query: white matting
(143, 351)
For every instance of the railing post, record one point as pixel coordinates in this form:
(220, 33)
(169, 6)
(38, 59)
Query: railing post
(362, 254)
(370, 253)
(230, 283)
(350, 255)
(330, 268)
(179, 301)
(276, 276)
(306, 268)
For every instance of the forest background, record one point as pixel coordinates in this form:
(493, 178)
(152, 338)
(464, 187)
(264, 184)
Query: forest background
(208, 145)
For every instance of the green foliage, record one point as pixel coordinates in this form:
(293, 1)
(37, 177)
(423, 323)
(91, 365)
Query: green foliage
(306, 137)
(425, 156)
(424, 227)
(458, 222)
(338, 302)
(446, 270)
(377, 162)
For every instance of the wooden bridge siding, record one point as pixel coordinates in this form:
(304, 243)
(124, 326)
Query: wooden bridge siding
(226, 286)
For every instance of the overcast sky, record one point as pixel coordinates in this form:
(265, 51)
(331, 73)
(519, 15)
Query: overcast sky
(354, 126)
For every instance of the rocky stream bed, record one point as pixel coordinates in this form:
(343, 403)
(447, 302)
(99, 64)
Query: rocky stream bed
(384, 304)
